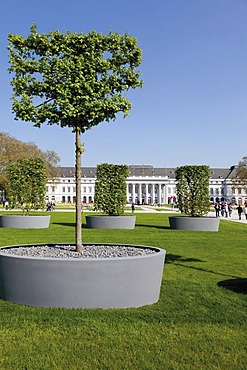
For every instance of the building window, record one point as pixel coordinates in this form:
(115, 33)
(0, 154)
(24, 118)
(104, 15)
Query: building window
(84, 189)
(63, 189)
(73, 189)
(53, 189)
(68, 189)
(239, 190)
(90, 189)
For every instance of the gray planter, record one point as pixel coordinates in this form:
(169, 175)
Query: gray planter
(194, 223)
(24, 222)
(119, 282)
(111, 222)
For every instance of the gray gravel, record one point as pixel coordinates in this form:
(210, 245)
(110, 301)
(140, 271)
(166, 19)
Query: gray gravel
(68, 251)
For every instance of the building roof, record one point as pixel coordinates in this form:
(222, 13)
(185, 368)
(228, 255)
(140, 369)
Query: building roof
(150, 171)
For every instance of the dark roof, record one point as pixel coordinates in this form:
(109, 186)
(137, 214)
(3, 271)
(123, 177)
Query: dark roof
(148, 170)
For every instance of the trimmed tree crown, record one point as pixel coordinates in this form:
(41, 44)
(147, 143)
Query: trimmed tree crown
(27, 180)
(192, 183)
(78, 80)
(110, 188)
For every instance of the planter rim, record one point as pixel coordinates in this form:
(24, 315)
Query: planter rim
(23, 215)
(192, 217)
(108, 216)
(159, 251)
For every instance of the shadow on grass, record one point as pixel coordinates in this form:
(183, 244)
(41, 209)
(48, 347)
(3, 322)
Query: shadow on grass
(194, 267)
(238, 285)
(71, 224)
(154, 226)
(171, 258)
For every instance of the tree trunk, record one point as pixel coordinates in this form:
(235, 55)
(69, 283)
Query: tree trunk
(78, 152)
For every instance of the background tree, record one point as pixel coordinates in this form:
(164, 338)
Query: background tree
(110, 188)
(75, 80)
(12, 150)
(241, 173)
(192, 183)
(27, 184)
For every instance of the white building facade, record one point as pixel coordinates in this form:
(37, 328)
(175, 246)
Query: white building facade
(145, 185)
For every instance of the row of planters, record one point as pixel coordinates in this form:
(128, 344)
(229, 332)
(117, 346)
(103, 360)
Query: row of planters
(192, 183)
(27, 181)
(78, 103)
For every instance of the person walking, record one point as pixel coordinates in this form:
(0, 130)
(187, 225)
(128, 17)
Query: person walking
(230, 209)
(217, 209)
(245, 210)
(240, 210)
(222, 209)
(226, 210)
(133, 207)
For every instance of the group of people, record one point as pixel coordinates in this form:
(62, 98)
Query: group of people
(225, 209)
(50, 206)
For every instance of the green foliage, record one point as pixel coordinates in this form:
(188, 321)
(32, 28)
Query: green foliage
(27, 180)
(192, 184)
(240, 179)
(12, 149)
(79, 79)
(110, 188)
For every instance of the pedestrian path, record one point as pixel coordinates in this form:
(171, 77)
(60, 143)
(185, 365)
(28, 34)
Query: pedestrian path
(234, 217)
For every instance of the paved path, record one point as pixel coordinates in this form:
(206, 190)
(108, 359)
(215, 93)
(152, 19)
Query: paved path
(234, 216)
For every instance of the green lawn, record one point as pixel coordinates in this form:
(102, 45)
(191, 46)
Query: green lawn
(198, 323)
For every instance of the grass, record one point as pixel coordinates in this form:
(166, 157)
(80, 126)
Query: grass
(198, 323)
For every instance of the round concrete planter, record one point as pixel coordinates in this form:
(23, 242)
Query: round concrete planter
(111, 222)
(194, 223)
(119, 282)
(24, 222)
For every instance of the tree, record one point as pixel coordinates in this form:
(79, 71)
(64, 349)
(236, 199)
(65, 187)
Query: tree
(241, 173)
(12, 150)
(192, 183)
(110, 188)
(27, 184)
(75, 80)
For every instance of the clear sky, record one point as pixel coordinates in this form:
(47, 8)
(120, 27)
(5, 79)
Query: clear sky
(192, 108)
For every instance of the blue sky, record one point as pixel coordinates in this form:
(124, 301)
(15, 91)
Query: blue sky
(192, 108)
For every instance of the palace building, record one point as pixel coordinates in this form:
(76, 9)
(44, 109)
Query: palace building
(145, 185)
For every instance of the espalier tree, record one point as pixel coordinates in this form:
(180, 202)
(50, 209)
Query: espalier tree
(110, 188)
(74, 80)
(192, 183)
(27, 180)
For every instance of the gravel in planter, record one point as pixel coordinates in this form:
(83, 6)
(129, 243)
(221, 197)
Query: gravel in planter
(68, 251)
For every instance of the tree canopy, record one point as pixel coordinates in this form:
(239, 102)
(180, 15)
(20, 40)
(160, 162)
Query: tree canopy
(192, 183)
(241, 173)
(12, 149)
(110, 188)
(72, 79)
(27, 183)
